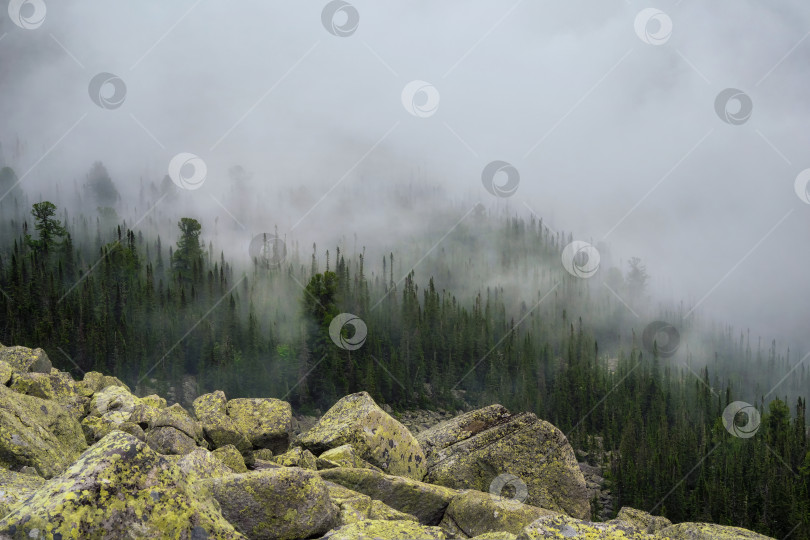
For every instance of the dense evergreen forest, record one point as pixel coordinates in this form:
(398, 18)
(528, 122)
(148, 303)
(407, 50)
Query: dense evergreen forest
(490, 315)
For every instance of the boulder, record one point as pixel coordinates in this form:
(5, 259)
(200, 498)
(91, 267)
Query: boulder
(356, 506)
(95, 381)
(266, 422)
(284, 503)
(641, 520)
(200, 464)
(212, 412)
(144, 415)
(38, 433)
(708, 531)
(562, 526)
(154, 401)
(458, 429)
(263, 453)
(343, 456)
(472, 513)
(425, 501)
(533, 454)
(113, 399)
(231, 457)
(169, 440)
(375, 436)
(33, 384)
(25, 360)
(178, 418)
(73, 395)
(297, 457)
(5, 372)
(119, 488)
(15, 487)
(495, 536)
(376, 529)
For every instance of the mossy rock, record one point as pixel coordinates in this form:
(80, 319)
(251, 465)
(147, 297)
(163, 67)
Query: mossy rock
(25, 360)
(221, 430)
(641, 520)
(266, 422)
(231, 457)
(263, 453)
(495, 536)
(38, 433)
(343, 456)
(5, 372)
(96, 428)
(201, 464)
(113, 398)
(425, 501)
(144, 415)
(154, 400)
(169, 440)
(708, 531)
(178, 418)
(57, 386)
(33, 384)
(96, 381)
(376, 529)
(376, 437)
(531, 451)
(119, 488)
(297, 457)
(283, 504)
(15, 487)
(356, 506)
(459, 428)
(472, 513)
(133, 429)
(562, 526)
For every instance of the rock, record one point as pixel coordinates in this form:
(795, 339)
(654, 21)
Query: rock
(133, 429)
(534, 453)
(356, 506)
(96, 428)
(641, 520)
(343, 456)
(266, 422)
(154, 401)
(263, 453)
(284, 503)
(231, 457)
(169, 440)
(95, 381)
(562, 526)
(302, 424)
(113, 399)
(375, 529)
(297, 457)
(119, 488)
(708, 531)
(221, 430)
(375, 436)
(425, 501)
(200, 464)
(458, 429)
(16, 487)
(73, 395)
(144, 415)
(38, 433)
(5, 372)
(25, 360)
(495, 536)
(178, 418)
(473, 513)
(33, 384)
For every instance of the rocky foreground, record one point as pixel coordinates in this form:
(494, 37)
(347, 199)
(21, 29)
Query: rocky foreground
(89, 459)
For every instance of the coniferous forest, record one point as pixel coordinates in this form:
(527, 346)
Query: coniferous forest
(161, 306)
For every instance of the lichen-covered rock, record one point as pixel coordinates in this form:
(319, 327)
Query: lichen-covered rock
(425, 501)
(96, 381)
(202, 464)
(169, 440)
(375, 529)
(37, 432)
(25, 360)
(641, 520)
(356, 506)
(154, 400)
(343, 456)
(113, 398)
(33, 384)
(376, 437)
(562, 526)
(5, 372)
(266, 422)
(460, 428)
(15, 487)
(119, 488)
(144, 415)
(297, 457)
(263, 453)
(73, 395)
(708, 531)
(495, 536)
(231, 457)
(133, 429)
(532, 450)
(473, 512)
(96, 428)
(178, 418)
(212, 412)
(283, 504)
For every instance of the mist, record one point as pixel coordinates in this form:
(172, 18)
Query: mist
(616, 140)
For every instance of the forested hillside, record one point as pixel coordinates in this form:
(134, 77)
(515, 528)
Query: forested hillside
(154, 306)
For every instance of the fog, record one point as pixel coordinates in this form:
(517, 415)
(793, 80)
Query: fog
(615, 139)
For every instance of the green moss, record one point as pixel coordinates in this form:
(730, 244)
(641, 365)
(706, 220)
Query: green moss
(15, 488)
